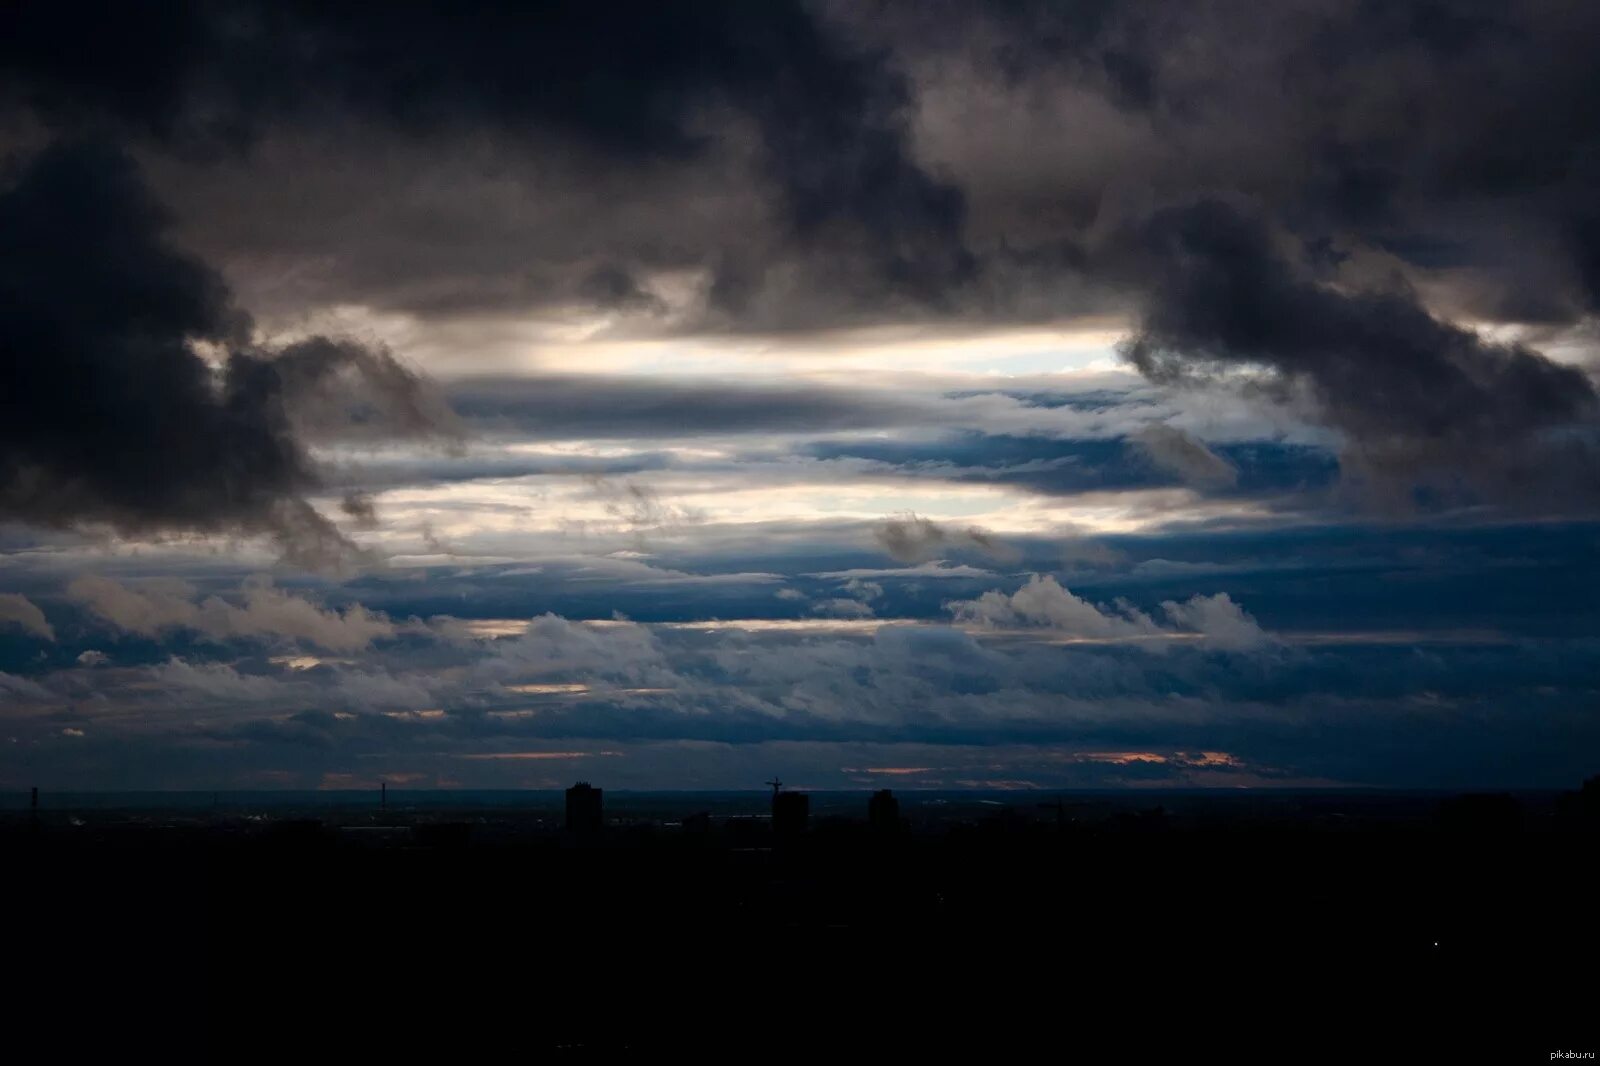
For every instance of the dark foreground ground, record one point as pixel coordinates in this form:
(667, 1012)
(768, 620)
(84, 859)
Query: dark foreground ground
(1437, 930)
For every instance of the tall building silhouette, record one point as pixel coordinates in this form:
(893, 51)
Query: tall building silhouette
(584, 812)
(883, 811)
(791, 811)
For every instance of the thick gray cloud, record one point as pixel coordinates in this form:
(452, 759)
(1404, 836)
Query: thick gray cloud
(911, 538)
(910, 160)
(1172, 449)
(108, 413)
(628, 83)
(1421, 402)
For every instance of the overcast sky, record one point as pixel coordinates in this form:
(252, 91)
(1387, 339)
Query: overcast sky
(940, 395)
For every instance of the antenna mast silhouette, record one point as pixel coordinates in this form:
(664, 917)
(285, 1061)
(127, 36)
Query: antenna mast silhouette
(777, 785)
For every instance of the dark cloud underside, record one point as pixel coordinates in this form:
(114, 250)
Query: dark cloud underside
(1419, 399)
(108, 414)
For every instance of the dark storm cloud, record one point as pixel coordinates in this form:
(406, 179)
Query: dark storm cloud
(1429, 158)
(1317, 188)
(633, 82)
(1449, 133)
(1419, 400)
(920, 159)
(108, 415)
(341, 390)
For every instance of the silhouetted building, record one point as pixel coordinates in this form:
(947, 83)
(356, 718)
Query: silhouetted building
(584, 812)
(791, 811)
(883, 811)
(1580, 810)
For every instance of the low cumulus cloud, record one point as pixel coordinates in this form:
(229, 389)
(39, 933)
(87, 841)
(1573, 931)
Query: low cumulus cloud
(219, 683)
(1222, 622)
(1045, 604)
(21, 612)
(567, 685)
(555, 648)
(21, 688)
(843, 607)
(264, 612)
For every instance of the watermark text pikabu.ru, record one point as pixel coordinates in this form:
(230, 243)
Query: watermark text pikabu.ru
(1554, 1055)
